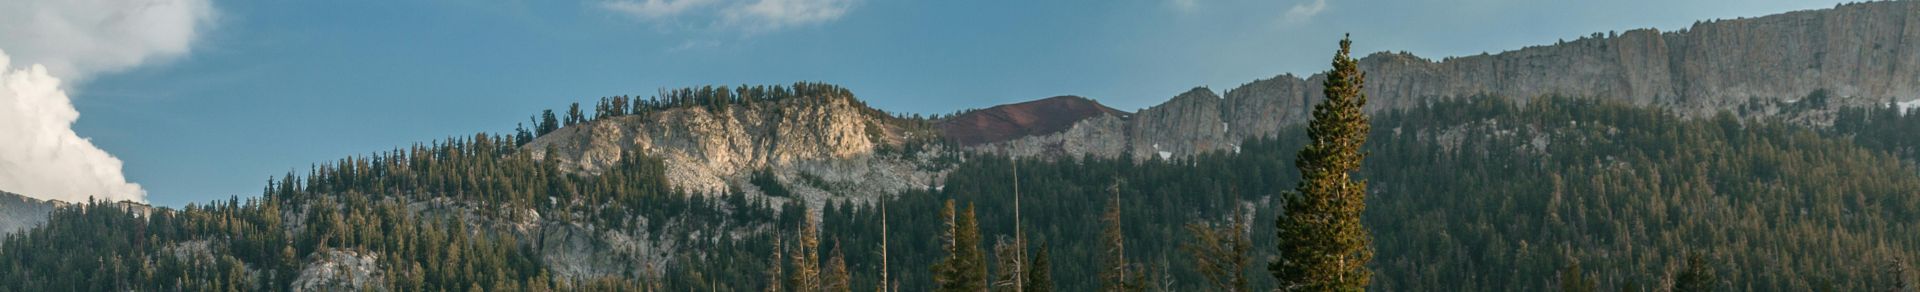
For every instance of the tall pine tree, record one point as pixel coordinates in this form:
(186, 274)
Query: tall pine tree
(965, 268)
(1040, 275)
(1322, 245)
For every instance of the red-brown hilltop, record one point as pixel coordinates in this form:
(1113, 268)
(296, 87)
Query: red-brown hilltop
(1012, 121)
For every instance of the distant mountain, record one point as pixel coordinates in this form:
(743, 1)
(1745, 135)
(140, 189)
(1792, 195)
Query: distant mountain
(1477, 181)
(1010, 121)
(1862, 53)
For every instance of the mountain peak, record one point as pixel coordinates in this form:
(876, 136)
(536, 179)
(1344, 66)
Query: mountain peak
(1012, 121)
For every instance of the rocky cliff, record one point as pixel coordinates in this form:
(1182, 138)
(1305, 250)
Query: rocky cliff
(832, 144)
(19, 212)
(1862, 53)
(1865, 51)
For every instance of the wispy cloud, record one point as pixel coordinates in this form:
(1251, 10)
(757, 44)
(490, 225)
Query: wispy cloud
(743, 16)
(693, 44)
(654, 9)
(771, 15)
(1306, 10)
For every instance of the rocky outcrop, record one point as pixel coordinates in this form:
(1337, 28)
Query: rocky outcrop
(19, 213)
(705, 147)
(341, 270)
(1862, 53)
(709, 150)
(1190, 123)
(1099, 136)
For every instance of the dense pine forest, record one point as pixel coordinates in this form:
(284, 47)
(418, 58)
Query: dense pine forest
(1469, 194)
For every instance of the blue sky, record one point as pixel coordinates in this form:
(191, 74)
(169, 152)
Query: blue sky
(272, 86)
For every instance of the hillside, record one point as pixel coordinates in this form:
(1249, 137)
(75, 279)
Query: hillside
(1613, 158)
(1011, 121)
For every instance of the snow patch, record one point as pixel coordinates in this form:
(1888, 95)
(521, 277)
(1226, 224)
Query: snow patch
(1165, 155)
(1908, 105)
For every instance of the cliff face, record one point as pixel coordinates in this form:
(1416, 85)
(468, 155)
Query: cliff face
(19, 213)
(1188, 124)
(1863, 53)
(709, 150)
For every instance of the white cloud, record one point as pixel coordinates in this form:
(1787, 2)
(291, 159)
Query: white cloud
(80, 38)
(746, 16)
(52, 41)
(654, 9)
(43, 157)
(1305, 11)
(769, 15)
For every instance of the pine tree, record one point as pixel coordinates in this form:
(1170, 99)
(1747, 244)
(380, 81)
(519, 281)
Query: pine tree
(574, 116)
(965, 268)
(776, 275)
(1573, 279)
(1323, 246)
(836, 277)
(1698, 276)
(1220, 252)
(1040, 276)
(548, 123)
(806, 256)
(1897, 271)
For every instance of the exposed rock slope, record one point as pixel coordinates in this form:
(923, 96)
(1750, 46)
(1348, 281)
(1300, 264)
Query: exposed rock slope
(709, 150)
(18, 213)
(1862, 53)
(1011, 121)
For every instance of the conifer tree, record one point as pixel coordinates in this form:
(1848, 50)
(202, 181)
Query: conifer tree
(1220, 252)
(1323, 246)
(964, 268)
(548, 122)
(1698, 276)
(836, 277)
(574, 116)
(806, 256)
(1574, 279)
(776, 275)
(1040, 275)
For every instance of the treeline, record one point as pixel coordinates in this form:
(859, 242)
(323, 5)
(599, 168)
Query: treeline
(1890, 128)
(1467, 194)
(1475, 194)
